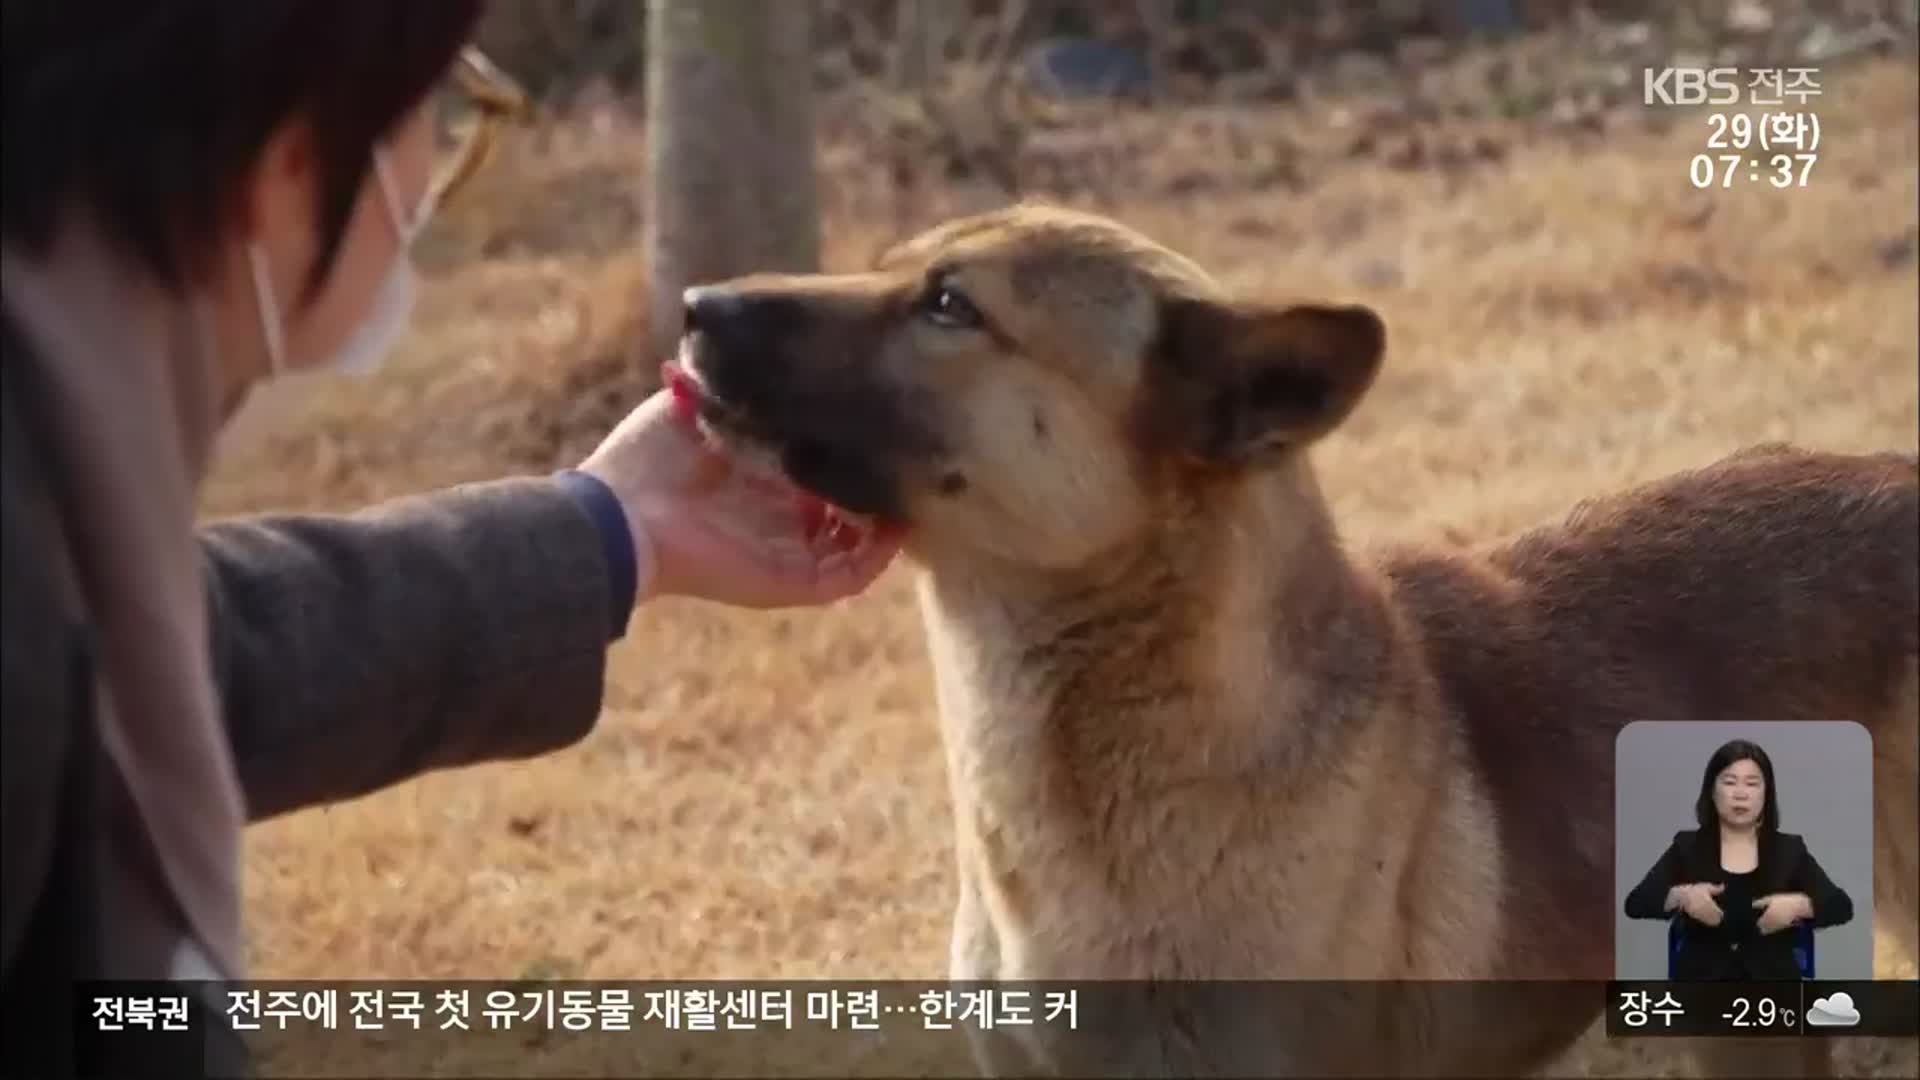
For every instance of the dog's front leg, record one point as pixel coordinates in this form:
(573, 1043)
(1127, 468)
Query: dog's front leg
(975, 956)
(975, 953)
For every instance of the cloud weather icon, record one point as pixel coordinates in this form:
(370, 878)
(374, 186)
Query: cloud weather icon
(1834, 1011)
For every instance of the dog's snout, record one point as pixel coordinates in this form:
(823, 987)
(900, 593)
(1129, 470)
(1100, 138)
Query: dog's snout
(743, 317)
(708, 307)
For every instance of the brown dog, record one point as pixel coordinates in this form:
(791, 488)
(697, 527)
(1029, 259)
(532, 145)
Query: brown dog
(1190, 736)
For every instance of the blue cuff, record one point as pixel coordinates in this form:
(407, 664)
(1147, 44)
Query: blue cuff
(616, 540)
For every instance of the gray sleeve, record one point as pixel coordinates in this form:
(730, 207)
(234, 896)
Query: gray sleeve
(357, 651)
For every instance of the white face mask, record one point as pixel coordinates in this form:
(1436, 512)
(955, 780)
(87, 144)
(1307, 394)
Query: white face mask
(270, 397)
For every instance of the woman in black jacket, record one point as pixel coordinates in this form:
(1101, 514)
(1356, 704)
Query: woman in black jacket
(1737, 882)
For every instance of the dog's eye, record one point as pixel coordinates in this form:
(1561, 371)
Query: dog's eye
(949, 307)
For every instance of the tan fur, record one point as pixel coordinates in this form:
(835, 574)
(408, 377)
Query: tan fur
(1190, 735)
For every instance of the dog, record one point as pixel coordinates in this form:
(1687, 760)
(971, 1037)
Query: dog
(1190, 736)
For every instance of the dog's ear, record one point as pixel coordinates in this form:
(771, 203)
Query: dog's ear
(1229, 383)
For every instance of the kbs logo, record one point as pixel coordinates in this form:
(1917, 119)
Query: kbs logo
(1691, 86)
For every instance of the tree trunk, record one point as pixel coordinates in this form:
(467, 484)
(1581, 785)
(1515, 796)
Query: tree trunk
(730, 149)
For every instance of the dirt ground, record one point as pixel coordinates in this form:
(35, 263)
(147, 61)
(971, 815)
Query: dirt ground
(765, 796)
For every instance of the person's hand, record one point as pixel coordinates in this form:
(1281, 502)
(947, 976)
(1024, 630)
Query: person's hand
(1781, 910)
(706, 528)
(1697, 901)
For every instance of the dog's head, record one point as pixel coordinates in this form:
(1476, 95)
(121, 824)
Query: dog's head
(1035, 384)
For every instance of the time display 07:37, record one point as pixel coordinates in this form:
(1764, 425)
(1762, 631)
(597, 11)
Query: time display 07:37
(1777, 148)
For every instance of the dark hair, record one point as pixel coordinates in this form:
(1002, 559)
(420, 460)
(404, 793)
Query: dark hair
(150, 115)
(1737, 750)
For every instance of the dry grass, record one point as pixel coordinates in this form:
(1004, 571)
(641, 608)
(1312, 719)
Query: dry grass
(765, 795)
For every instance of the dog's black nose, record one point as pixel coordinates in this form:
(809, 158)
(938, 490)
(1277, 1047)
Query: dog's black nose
(709, 307)
(744, 317)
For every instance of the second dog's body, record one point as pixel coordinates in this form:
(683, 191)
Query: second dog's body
(1191, 735)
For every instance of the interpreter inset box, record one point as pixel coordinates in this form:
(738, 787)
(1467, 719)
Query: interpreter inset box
(1743, 851)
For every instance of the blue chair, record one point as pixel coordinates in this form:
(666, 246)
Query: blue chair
(1802, 945)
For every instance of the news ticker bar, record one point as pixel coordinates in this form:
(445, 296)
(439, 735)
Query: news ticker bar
(1819, 1008)
(540, 1028)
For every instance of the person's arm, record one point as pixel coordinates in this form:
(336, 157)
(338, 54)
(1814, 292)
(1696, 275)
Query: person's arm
(467, 625)
(1648, 899)
(1830, 904)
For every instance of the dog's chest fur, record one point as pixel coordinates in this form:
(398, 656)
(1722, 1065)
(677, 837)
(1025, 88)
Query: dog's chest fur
(1117, 816)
